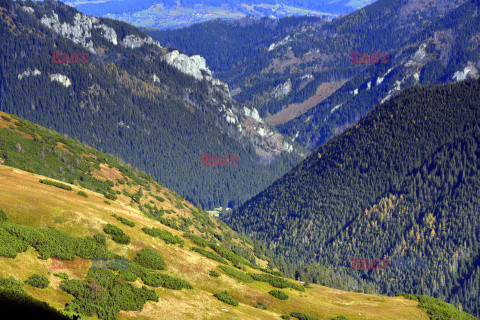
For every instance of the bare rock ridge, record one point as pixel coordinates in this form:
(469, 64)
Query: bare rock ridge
(80, 32)
(245, 122)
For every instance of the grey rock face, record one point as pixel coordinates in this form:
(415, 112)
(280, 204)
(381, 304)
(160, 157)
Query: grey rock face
(29, 72)
(80, 31)
(64, 80)
(192, 66)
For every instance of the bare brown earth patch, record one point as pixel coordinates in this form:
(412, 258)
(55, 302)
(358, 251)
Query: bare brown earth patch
(106, 173)
(297, 109)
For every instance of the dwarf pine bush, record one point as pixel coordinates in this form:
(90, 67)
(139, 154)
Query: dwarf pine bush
(279, 294)
(38, 281)
(149, 258)
(225, 297)
(237, 274)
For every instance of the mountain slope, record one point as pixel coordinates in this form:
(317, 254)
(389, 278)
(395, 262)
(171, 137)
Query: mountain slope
(158, 110)
(403, 182)
(40, 223)
(299, 72)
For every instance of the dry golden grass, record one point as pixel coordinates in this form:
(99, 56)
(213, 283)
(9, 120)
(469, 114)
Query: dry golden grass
(29, 202)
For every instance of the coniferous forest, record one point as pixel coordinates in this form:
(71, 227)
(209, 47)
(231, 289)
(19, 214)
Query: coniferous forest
(404, 182)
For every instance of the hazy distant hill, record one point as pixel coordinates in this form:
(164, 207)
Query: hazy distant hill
(169, 14)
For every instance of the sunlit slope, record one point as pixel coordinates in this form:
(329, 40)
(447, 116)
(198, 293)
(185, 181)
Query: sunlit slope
(43, 221)
(29, 202)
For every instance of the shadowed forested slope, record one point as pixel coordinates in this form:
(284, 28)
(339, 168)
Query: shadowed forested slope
(405, 181)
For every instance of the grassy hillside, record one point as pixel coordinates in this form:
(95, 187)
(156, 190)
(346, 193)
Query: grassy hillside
(59, 230)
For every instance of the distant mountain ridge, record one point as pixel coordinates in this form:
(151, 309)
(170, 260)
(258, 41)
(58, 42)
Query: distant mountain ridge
(299, 73)
(168, 14)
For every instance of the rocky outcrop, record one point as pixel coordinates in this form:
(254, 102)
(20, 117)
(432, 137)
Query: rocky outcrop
(29, 72)
(108, 33)
(133, 41)
(252, 113)
(28, 9)
(282, 90)
(467, 73)
(64, 80)
(80, 31)
(194, 66)
(273, 46)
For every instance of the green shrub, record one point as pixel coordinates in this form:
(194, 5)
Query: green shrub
(124, 221)
(117, 234)
(57, 184)
(50, 242)
(340, 318)
(199, 241)
(302, 316)
(38, 281)
(210, 255)
(3, 216)
(167, 222)
(62, 275)
(276, 281)
(122, 239)
(237, 274)
(214, 273)
(279, 294)
(82, 193)
(164, 235)
(148, 258)
(107, 202)
(261, 305)
(155, 279)
(127, 275)
(11, 245)
(6, 118)
(437, 309)
(111, 196)
(104, 293)
(225, 297)
(275, 273)
(11, 283)
(228, 254)
(100, 239)
(285, 316)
